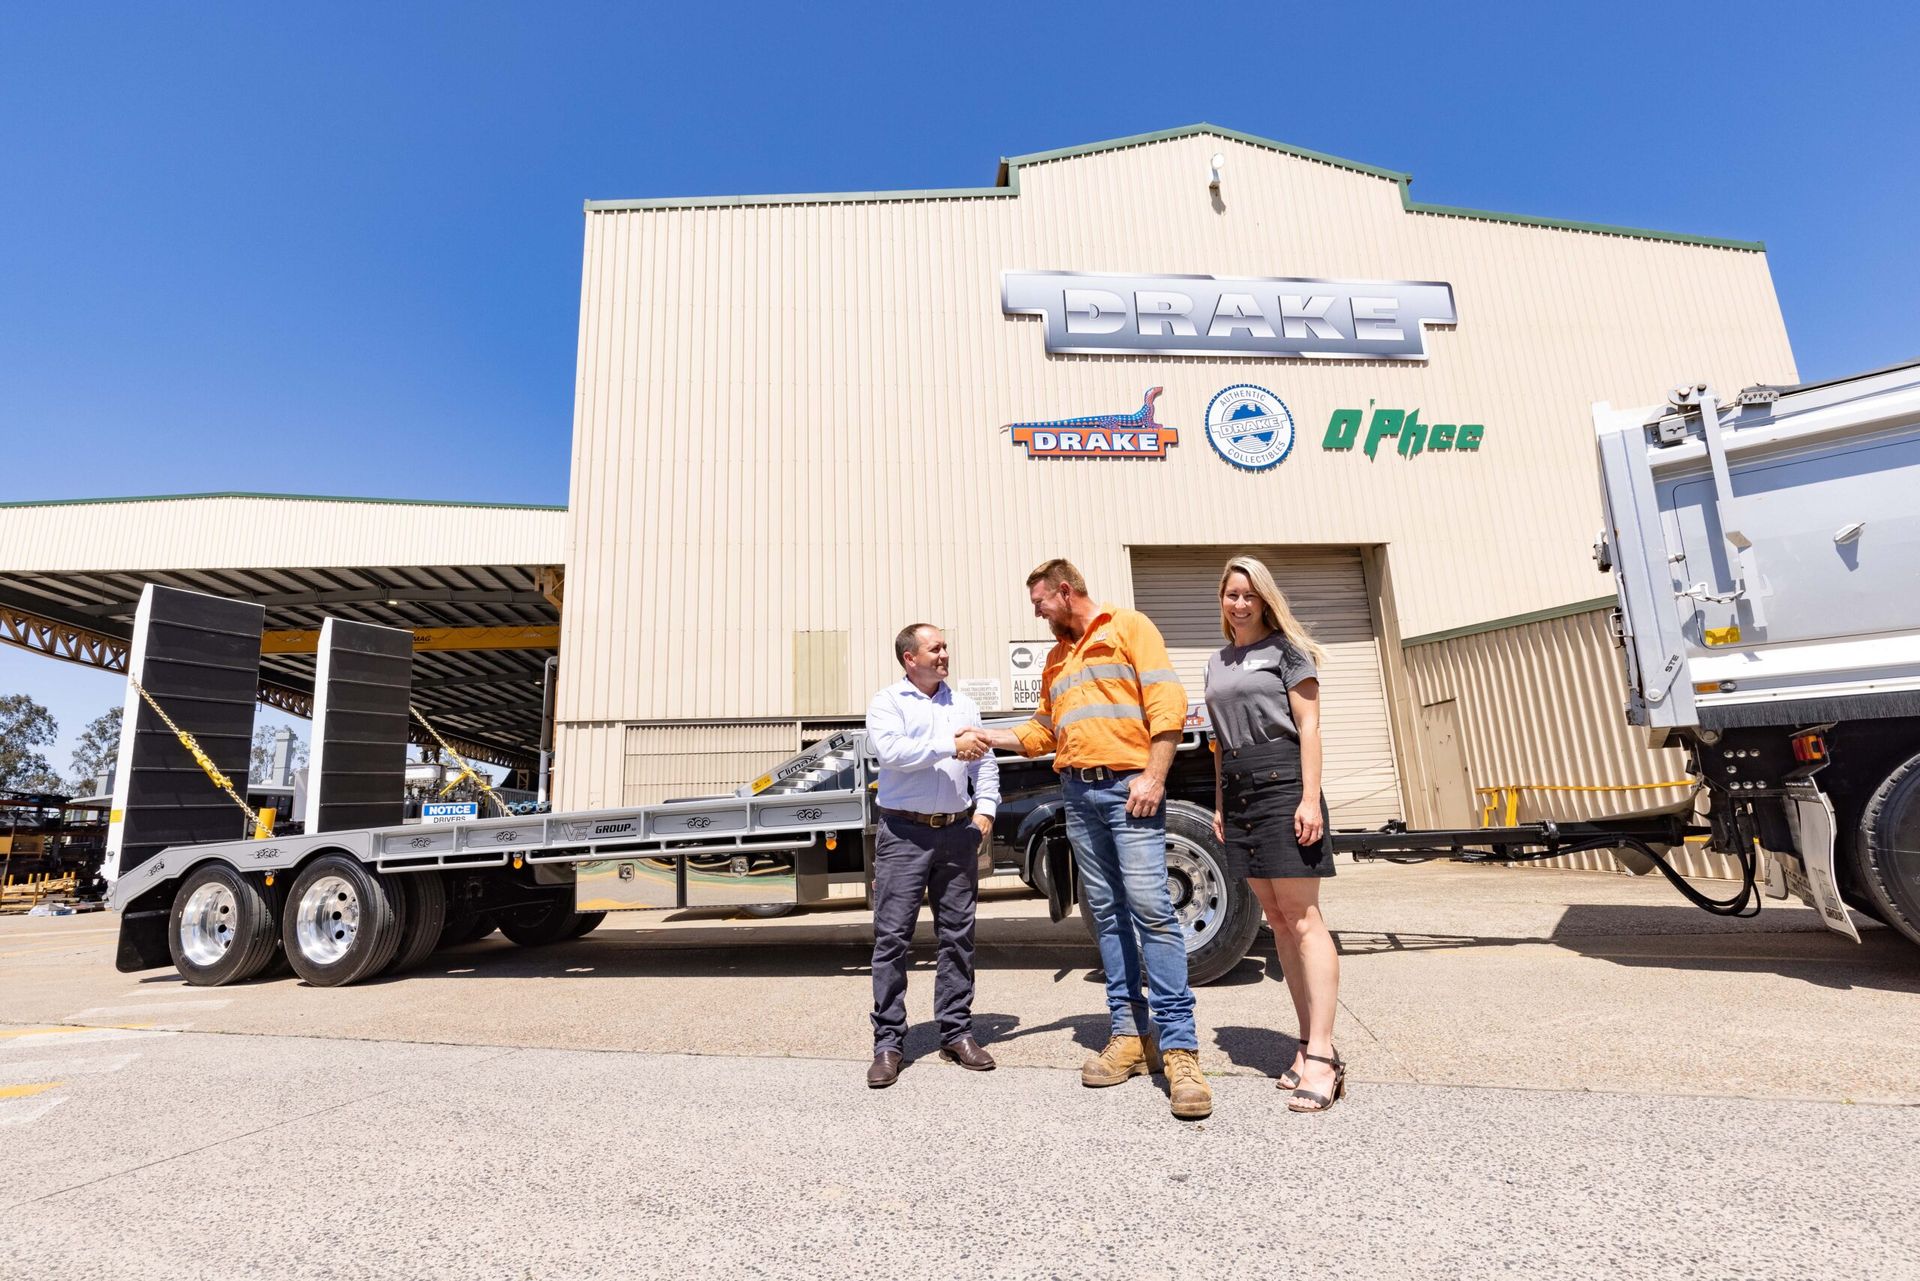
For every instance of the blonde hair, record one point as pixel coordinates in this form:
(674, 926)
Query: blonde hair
(1273, 608)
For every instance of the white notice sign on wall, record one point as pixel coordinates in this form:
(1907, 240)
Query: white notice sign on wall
(983, 690)
(1024, 662)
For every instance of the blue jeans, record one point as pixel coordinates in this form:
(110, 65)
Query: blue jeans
(1123, 877)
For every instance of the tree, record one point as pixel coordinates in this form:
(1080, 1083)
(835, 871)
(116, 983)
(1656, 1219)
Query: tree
(25, 725)
(95, 753)
(261, 764)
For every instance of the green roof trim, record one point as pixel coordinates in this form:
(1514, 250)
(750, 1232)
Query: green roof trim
(1008, 185)
(1514, 620)
(291, 498)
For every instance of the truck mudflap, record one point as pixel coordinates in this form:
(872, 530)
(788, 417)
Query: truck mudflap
(1809, 873)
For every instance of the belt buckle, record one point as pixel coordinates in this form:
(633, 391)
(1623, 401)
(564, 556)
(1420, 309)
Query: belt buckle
(936, 820)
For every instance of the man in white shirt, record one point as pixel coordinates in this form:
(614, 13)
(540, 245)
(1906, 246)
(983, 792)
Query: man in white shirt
(938, 792)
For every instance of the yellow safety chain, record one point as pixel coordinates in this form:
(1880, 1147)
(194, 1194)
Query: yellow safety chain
(1511, 793)
(187, 741)
(466, 770)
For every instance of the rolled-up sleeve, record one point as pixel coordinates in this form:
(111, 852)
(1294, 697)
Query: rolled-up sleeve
(1036, 733)
(1162, 696)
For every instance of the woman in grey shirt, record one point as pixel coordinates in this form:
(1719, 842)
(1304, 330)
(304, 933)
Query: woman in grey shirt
(1263, 696)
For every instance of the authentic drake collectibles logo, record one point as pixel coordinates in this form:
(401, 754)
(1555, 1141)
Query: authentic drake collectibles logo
(1250, 427)
(1134, 435)
(1101, 315)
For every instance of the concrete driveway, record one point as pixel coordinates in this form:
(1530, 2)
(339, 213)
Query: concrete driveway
(1565, 1073)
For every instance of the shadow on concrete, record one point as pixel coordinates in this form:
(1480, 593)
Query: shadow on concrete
(1796, 947)
(1259, 1049)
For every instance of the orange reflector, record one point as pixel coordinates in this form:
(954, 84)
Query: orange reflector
(269, 878)
(1809, 747)
(516, 861)
(833, 842)
(1706, 687)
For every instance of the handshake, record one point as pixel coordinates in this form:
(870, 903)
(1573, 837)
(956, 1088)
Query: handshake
(971, 744)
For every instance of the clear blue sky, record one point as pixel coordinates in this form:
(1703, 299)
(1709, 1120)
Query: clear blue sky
(336, 248)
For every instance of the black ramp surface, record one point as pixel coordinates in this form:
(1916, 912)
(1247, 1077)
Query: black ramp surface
(356, 773)
(199, 656)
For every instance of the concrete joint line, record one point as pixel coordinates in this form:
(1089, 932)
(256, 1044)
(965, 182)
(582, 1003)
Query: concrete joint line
(257, 1130)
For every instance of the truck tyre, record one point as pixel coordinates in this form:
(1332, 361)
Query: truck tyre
(539, 924)
(341, 922)
(1217, 910)
(425, 914)
(1889, 849)
(221, 928)
(585, 923)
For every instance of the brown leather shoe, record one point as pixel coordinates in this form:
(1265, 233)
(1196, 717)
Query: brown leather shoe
(885, 1070)
(966, 1051)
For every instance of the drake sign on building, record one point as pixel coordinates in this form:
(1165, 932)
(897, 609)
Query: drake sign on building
(804, 421)
(1205, 316)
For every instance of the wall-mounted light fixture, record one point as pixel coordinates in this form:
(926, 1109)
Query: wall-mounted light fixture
(1218, 163)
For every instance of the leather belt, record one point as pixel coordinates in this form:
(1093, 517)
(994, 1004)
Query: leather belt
(931, 820)
(1095, 773)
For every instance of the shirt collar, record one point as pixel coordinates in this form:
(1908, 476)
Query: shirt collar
(907, 687)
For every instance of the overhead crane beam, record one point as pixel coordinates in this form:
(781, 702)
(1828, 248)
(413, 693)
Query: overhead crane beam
(75, 644)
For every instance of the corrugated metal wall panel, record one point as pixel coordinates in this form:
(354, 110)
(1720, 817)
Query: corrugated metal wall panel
(788, 417)
(273, 533)
(672, 762)
(1541, 703)
(1327, 588)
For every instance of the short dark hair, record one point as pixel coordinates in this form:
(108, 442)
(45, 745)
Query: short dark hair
(909, 640)
(1056, 571)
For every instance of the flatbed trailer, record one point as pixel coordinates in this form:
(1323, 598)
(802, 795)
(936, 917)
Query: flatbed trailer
(1766, 556)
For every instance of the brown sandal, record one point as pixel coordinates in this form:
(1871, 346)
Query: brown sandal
(1290, 1079)
(1321, 1102)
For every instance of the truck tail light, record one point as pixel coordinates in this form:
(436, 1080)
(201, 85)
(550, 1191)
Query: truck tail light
(1809, 747)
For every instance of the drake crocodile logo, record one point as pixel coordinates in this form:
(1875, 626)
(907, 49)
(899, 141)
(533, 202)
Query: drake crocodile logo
(1135, 435)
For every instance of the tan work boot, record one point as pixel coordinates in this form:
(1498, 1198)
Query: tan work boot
(1187, 1087)
(1124, 1056)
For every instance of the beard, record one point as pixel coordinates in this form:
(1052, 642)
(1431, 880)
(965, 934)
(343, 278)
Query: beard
(1061, 631)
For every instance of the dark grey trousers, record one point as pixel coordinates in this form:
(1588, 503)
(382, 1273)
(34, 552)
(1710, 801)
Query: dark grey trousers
(911, 860)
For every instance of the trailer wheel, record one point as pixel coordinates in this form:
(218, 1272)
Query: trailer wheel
(585, 923)
(1889, 849)
(1217, 910)
(341, 923)
(221, 927)
(539, 924)
(425, 895)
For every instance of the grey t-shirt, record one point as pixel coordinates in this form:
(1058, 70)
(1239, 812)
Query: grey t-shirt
(1247, 691)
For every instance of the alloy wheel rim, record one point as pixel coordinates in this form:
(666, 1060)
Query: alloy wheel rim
(207, 922)
(327, 921)
(1197, 890)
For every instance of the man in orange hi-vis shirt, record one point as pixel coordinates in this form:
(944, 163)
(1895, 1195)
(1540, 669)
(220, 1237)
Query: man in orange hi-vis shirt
(1111, 709)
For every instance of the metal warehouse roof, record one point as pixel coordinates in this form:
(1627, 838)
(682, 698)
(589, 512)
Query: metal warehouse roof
(478, 584)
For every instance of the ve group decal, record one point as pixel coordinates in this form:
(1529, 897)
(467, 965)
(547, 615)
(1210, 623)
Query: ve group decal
(1134, 435)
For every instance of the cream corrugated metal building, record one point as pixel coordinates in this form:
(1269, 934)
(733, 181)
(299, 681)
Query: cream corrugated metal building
(790, 439)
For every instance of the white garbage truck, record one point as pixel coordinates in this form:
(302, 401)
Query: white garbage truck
(1765, 546)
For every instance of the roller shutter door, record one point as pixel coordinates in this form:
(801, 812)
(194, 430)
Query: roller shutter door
(1177, 588)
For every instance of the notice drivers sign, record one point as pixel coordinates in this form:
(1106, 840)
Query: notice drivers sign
(449, 811)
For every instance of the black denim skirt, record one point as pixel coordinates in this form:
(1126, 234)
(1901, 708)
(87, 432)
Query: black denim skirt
(1259, 792)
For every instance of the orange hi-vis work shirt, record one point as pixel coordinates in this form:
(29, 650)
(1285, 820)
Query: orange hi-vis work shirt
(1104, 697)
